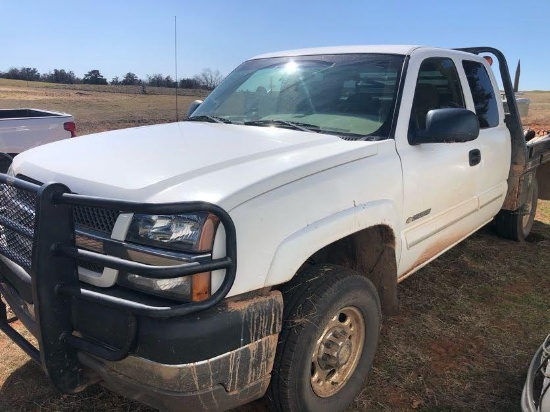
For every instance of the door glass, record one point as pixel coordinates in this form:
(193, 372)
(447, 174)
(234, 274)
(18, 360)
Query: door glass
(437, 87)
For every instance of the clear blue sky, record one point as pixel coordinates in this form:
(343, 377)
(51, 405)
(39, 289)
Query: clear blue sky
(120, 36)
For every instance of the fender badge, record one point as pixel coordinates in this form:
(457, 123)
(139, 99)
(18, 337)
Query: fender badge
(419, 215)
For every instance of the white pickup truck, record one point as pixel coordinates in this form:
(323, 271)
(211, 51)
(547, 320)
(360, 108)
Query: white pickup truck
(253, 248)
(23, 129)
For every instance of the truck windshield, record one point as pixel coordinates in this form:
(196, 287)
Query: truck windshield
(351, 95)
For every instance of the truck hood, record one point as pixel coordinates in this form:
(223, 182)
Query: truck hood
(186, 161)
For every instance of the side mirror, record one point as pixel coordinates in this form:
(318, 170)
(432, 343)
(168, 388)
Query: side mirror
(5, 162)
(452, 125)
(193, 106)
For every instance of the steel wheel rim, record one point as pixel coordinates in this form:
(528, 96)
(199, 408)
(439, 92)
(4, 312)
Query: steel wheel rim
(337, 351)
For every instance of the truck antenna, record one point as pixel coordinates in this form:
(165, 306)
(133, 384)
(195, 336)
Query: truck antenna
(176, 61)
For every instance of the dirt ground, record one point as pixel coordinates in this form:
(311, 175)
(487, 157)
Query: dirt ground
(539, 112)
(468, 323)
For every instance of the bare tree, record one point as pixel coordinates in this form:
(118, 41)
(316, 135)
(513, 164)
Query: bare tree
(188, 83)
(209, 78)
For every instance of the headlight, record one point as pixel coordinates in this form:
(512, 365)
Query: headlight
(178, 233)
(174, 232)
(177, 288)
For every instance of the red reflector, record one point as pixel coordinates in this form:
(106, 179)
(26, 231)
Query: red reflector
(70, 127)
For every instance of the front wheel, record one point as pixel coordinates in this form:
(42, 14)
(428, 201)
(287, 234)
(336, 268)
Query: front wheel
(331, 328)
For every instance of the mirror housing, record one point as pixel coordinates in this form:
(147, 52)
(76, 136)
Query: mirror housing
(451, 125)
(193, 106)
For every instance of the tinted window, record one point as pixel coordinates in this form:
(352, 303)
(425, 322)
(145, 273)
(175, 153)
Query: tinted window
(437, 87)
(482, 93)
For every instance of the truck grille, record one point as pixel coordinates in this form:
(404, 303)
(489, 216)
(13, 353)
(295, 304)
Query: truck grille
(101, 220)
(91, 266)
(17, 210)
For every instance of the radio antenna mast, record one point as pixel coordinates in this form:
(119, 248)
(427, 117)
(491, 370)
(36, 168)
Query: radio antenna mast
(176, 61)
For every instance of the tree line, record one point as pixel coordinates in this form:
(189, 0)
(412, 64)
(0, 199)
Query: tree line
(206, 79)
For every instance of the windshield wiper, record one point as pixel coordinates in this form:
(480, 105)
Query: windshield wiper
(207, 118)
(305, 127)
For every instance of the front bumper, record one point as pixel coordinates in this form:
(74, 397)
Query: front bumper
(213, 371)
(221, 383)
(144, 347)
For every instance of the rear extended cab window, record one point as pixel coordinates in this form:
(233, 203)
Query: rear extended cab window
(482, 93)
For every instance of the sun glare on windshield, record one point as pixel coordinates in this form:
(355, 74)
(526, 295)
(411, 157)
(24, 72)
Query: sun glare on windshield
(351, 95)
(291, 67)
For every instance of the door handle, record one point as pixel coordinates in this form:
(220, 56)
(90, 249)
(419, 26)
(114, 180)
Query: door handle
(474, 157)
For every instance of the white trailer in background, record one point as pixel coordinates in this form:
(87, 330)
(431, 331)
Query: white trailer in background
(23, 129)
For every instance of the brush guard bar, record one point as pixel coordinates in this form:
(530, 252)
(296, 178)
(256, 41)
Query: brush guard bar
(42, 241)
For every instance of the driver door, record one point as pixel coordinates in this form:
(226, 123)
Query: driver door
(440, 195)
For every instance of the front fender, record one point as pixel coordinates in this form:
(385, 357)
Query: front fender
(298, 247)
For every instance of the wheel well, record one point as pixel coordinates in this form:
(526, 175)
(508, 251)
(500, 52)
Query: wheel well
(370, 252)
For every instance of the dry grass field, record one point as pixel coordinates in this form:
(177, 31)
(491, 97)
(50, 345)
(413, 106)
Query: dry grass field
(468, 325)
(539, 111)
(98, 108)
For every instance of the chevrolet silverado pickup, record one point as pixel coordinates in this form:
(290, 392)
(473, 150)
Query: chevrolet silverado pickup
(252, 249)
(23, 129)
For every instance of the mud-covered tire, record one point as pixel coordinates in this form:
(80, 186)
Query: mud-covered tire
(322, 306)
(516, 225)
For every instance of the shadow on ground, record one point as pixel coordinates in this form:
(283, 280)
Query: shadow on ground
(28, 389)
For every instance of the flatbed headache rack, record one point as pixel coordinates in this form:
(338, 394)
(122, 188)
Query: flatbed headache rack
(42, 242)
(526, 157)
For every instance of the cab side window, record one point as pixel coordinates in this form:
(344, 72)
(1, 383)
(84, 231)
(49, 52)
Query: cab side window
(437, 87)
(483, 94)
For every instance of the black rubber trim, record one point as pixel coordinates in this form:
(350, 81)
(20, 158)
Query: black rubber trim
(191, 338)
(399, 97)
